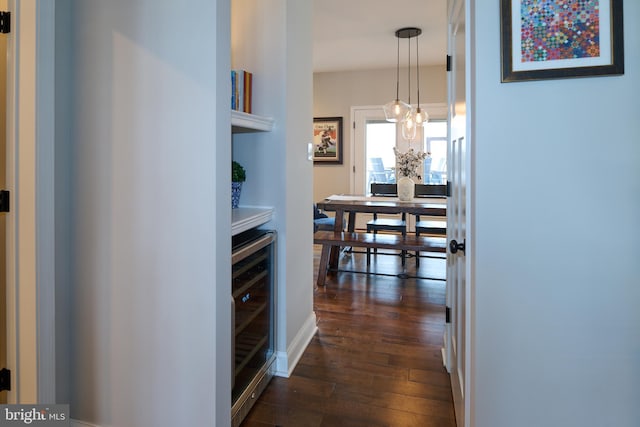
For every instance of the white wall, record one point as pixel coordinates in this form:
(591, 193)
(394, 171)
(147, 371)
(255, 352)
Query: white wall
(335, 93)
(143, 156)
(148, 244)
(271, 38)
(64, 171)
(555, 241)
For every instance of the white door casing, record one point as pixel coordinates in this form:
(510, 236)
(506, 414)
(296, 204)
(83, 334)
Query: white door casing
(3, 219)
(359, 118)
(30, 169)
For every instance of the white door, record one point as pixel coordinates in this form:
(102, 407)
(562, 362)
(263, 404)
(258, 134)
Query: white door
(455, 331)
(373, 137)
(373, 140)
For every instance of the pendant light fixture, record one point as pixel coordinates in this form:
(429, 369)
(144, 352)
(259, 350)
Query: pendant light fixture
(408, 123)
(421, 117)
(409, 118)
(396, 110)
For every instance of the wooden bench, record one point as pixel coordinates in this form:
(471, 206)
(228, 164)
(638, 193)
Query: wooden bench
(328, 239)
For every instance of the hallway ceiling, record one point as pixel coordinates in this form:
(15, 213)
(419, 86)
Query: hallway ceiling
(360, 34)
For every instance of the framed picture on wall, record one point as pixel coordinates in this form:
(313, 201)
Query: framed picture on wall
(327, 140)
(561, 39)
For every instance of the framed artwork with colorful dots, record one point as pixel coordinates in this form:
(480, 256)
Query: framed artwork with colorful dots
(552, 39)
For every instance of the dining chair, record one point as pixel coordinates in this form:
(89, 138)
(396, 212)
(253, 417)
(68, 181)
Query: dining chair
(430, 227)
(322, 221)
(398, 225)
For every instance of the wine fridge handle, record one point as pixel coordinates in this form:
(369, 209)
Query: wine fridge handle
(233, 342)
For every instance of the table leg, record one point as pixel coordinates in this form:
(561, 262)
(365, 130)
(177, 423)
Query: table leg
(352, 222)
(322, 268)
(335, 250)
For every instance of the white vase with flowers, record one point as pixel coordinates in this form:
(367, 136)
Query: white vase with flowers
(407, 168)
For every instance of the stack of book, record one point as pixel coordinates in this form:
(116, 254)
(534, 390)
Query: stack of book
(241, 82)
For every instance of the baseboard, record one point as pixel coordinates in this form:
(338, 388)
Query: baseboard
(287, 361)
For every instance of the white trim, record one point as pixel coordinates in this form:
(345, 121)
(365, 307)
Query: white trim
(470, 297)
(286, 362)
(26, 377)
(352, 140)
(30, 256)
(12, 246)
(244, 122)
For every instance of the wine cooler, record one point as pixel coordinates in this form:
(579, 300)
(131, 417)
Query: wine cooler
(253, 318)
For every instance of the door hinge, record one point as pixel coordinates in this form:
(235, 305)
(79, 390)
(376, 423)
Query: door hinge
(448, 62)
(5, 22)
(448, 188)
(5, 379)
(4, 201)
(447, 315)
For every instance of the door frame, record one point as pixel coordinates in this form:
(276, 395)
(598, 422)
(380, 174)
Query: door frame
(357, 165)
(30, 179)
(436, 111)
(460, 17)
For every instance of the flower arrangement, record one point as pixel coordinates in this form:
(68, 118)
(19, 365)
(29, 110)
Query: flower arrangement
(407, 164)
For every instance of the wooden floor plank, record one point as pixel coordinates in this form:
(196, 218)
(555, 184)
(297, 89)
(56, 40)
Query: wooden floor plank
(376, 359)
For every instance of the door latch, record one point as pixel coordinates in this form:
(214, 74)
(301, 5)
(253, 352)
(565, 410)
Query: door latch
(454, 246)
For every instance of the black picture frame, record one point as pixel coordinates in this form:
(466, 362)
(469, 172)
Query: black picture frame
(327, 140)
(526, 57)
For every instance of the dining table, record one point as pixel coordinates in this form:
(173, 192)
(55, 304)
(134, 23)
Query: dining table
(351, 205)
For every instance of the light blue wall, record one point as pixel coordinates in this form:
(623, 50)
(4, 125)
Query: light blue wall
(555, 240)
(143, 150)
(145, 245)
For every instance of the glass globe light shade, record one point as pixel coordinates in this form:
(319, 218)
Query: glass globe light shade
(409, 126)
(421, 117)
(395, 111)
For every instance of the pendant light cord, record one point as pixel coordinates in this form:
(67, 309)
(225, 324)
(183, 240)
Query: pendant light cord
(409, 67)
(398, 73)
(418, 71)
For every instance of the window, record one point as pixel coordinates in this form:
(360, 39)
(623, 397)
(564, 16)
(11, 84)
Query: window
(435, 142)
(380, 140)
(372, 155)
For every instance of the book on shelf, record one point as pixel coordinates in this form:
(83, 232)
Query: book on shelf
(233, 90)
(241, 90)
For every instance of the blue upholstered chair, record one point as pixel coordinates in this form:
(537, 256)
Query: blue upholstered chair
(322, 221)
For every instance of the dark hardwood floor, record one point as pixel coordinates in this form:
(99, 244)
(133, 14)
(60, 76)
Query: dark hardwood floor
(376, 359)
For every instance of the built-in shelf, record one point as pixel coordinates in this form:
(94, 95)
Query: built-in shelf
(244, 122)
(246, 218)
